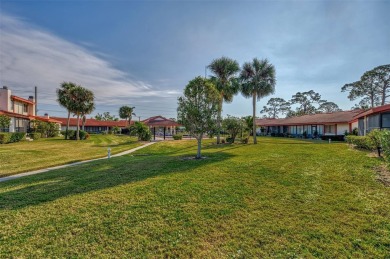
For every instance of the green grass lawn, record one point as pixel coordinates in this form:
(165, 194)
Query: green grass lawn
(281, 198)
(26, 156)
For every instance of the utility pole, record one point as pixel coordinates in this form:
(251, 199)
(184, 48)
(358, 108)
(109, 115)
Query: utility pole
(36, 100)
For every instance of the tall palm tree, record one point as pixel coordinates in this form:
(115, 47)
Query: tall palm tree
(126, 112)
(82, 103)
(258, 80)
(224, 70)
(64, 98)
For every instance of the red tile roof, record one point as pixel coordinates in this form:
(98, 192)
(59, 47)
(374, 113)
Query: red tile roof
(383, 108)
(160, 121)
(94, 122)
(319, 118)
(17, 115)
(29, 117)
(41, 118)
(14, 97)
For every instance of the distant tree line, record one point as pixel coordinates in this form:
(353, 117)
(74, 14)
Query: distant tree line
(308, 102)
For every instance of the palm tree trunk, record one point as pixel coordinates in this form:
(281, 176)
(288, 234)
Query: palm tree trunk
(67, 126)
(219, 118)
(83, 123)
(254, 119)
(78, 129)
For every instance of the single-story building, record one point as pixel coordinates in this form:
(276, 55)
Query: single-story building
(20, 110)
(374, 118)
(159, 125)
(313, 125)
(93, 125)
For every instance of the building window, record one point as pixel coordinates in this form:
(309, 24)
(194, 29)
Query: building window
(330, 129)
(386, 120)
(25, 108)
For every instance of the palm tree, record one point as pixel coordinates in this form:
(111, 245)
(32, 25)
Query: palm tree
(224, 70)
(64, 98)
(83, 103)
(258, 80)
(126, 112)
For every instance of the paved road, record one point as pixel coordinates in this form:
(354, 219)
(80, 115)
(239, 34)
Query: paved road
(16, 176)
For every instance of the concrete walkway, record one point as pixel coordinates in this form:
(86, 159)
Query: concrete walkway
(16, 176)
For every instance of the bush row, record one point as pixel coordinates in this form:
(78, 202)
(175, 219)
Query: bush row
(177, 137)
(359, 141)
(375, 140)
(72, 134)
(6, 137)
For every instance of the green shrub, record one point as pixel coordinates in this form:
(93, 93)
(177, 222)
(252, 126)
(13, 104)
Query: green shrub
(82, 134)
(5, 138)
(141, 131)
(5, 122)
(177, 137)
(360, 142)
(385, 142)
(71, 134)
(17, 136)
(35, 135)
(229, 140)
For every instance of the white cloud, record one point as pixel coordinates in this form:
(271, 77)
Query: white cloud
(31, 56)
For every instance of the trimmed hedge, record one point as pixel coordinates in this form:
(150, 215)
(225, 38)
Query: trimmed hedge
(360, 142)
(177, 137)
(385, 140)
(5, 137)
(17, 136)
(35, 136)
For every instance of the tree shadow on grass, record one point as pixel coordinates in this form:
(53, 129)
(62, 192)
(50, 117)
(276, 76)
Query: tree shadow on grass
(36, 189)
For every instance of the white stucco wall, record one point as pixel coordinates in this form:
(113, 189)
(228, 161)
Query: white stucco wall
(341, 128)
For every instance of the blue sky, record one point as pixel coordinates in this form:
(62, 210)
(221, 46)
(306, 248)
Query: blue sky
(143, 53)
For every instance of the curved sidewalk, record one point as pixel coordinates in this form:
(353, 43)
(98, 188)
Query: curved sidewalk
(16, 176)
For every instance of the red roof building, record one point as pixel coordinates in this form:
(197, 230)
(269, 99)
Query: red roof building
(159, 125)
(336, 123)
(20, 110)
(374, 118)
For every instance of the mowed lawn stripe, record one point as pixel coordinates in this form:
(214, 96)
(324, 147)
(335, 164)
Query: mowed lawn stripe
(27, 156)
(280, 198)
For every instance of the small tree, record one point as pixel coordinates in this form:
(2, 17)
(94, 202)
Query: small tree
(141, 131)
(198, 108)
(5, 122)
(233, 125)
(248, 123)
(116, 130)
